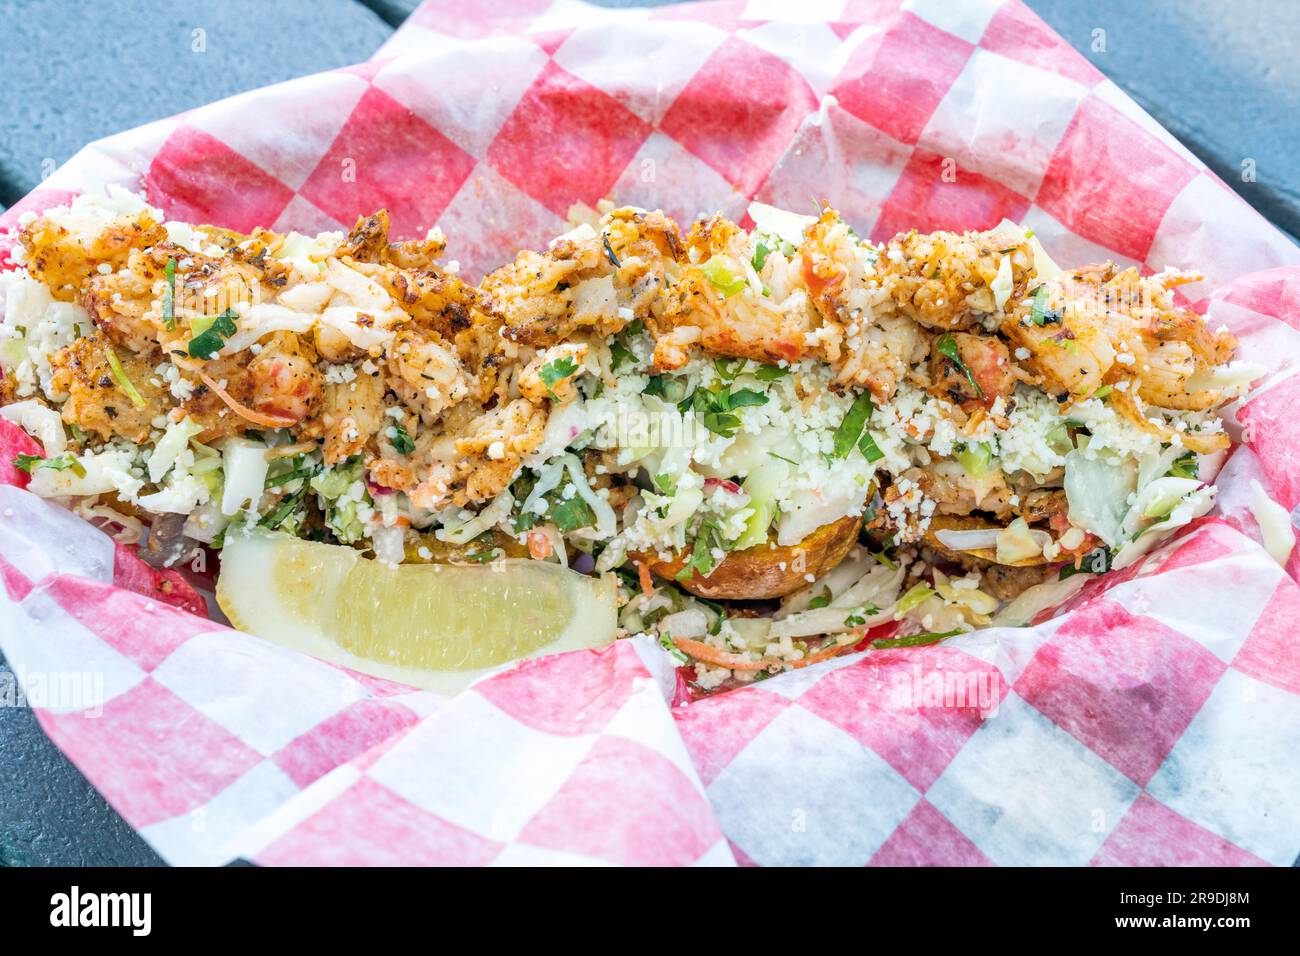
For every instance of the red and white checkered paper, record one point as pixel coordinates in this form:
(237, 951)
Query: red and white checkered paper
(1154, 722)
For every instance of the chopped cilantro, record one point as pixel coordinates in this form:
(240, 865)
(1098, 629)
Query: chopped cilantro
(557, 371)
(821, 600)
(1185, 466)
(666, 484)
(401, 439)
(761, 252)
(209, 342)
(28, 463)
(885, 559)
(859, 617)
(665, 387)
(620, 355)
(702, 561)
(746, 397)
(714, 406)
(770, 373)
(1096, 561)
(570, 514)
(728, 369)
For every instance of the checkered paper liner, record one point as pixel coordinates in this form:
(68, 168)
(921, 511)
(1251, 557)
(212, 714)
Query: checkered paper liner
(1154, 722)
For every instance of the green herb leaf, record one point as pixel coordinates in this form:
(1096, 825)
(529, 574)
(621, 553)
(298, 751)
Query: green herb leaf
(557, 371)
(570, 514)
(702, 561)
(119, 375)
(770, 373)
(666, 387)
(1096, 561)
(728, 369)
(721, 423)
(850, 429)
(761, 252)
(401, 439)
(821, 600)
(859, 617)
(209, 342)
(714, 407)
(916, 640)
(885, 559)
(620, 355)
(27, 462)
(745, 398)
(666, 484)
(1185, 467)
(947, 347)
(666, 642)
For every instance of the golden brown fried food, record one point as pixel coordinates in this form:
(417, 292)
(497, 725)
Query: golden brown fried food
(97, 402)
(944, 280)
(766, 570)
(64, 259)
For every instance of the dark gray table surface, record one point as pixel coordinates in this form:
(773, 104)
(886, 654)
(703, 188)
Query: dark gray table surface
(1224, 78)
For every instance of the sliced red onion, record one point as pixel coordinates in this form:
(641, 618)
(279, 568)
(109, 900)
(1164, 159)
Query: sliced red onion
(725, 484)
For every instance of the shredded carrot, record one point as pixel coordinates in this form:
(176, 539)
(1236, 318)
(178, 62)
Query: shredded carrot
(719, 658)
(243, 411)
(647, 582)
(824, 653)
(539, 545)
